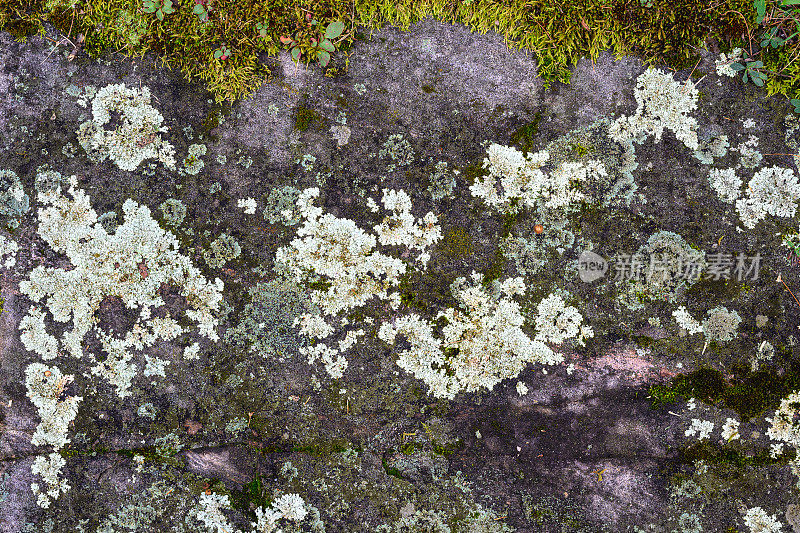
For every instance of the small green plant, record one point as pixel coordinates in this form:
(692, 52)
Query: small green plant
(262, 29)
(751, 71)
(317, 44)
(159, 7)
(200, 10)
(222, 53)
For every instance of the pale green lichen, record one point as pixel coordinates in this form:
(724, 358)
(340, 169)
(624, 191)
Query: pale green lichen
(712, 144)
(174, 211)
(267, 324)
(397, 149)
(147, 410)
(193, 164)
(223, 249)
(14, 203)
(48, 181)
(442, 181)
(661, 269)
(281, 206)
(108, 221)
(125, 128)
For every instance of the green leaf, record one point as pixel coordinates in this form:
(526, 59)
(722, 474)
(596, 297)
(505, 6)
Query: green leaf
(761, 7)
(160, 15)
(324, 57)
(217, 54)
(737, 66)
(199, 9)
(756, 64)
(334, 29)
(327, 45)
(758, 81)
(790, 2)
(295, 53)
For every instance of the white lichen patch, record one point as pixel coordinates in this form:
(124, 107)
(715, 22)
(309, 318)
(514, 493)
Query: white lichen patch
(336, 252)
(772, 191)
(131, 264)
(45, 386)
(482, 343)
(663, 104)
(516, 180)
(125, 128)
(248, 204)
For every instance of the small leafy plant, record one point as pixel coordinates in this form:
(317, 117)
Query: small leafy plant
(159, 7)
(200, 10)
(751, 71)
(262, 29)
(222, 53)
(317, 46)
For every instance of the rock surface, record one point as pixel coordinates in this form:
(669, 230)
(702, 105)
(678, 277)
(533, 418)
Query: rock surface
(583, 450)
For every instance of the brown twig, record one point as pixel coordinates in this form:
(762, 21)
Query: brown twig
(788, 289)
(749, 38)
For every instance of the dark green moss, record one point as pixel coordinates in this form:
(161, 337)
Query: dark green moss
(428, 88)
(390, 470)
(409, 448)
(213, 119)
(704, 384)
(524, 137)
(495, 269)
(305, 117)
(473, 171)
(709, 290)
(509, 219)
(750, 394)
(255, 492)
(322, 449)
(447, 449)
(714, 454)
(457, 243)
(321, 285)
(762, 390)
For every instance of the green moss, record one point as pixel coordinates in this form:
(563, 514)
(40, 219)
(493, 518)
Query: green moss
(305, 117)
(714, 454)
(428, 88)
(322, 448)
(495, 269)
(560, 33)
(710, 290)
(457, 243)
(524, 136)
(704, 384)
(750, 394)
(216, 116)
(390, 470)
(409, 448)
(473, 171)
(254, 494)
(578, 149)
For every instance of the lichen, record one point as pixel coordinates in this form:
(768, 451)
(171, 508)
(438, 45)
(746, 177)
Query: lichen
(223, 249)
